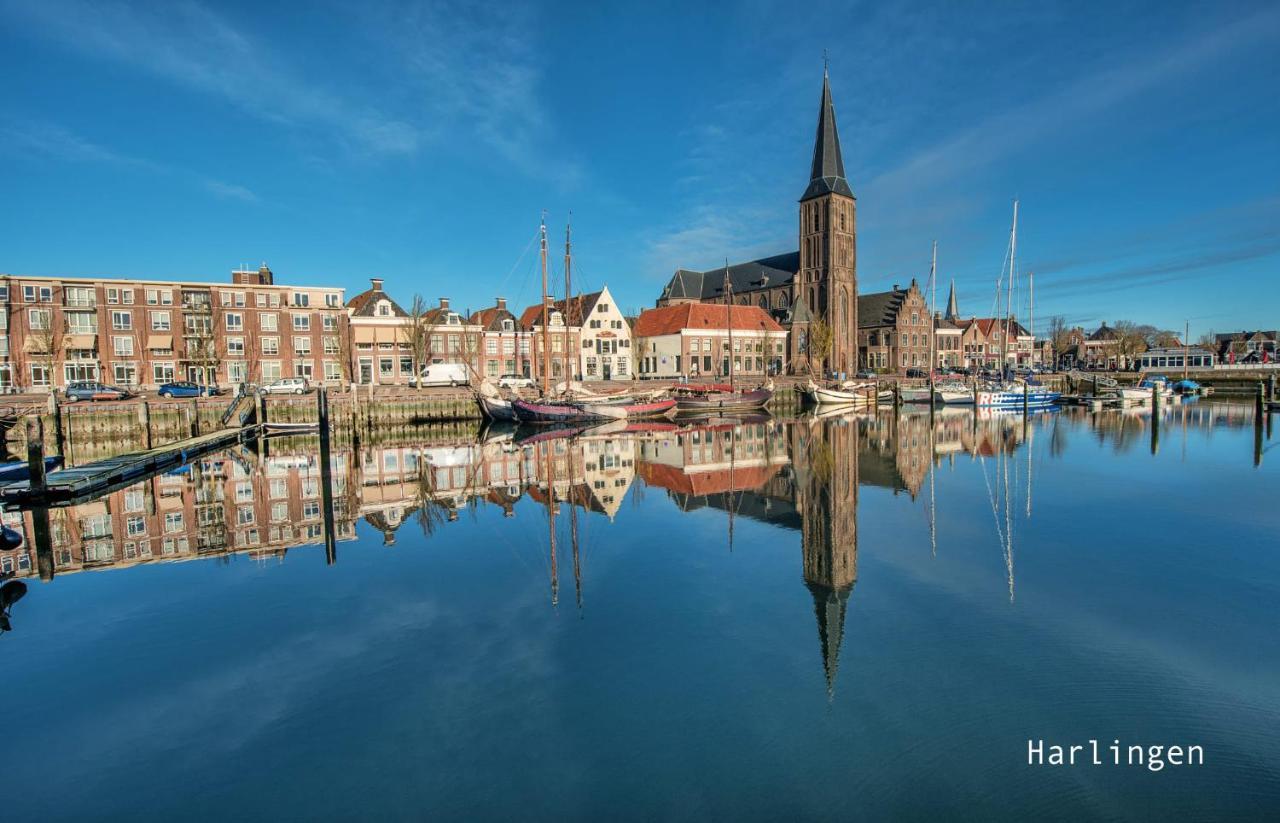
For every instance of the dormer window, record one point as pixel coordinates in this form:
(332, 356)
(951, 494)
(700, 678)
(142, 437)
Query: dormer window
(454, 319)
(508, 325)
(557, 319)
(384, 308)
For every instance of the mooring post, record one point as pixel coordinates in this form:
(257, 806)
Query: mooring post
(55, 412)
(40, 535)
(144, 420)
(326, 475)
(1260, 403)
(1095, 386)
(260, 401)
(195, 417)
(1155, 432)
(35, 454)
(1155, 399)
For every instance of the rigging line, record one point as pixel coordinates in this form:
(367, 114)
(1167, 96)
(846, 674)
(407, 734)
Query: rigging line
(516, 265)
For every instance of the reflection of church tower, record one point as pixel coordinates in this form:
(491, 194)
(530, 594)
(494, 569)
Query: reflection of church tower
(827, 483)
(828, 278)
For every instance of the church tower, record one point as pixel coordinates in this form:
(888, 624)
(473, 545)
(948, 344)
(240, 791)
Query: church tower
(828, 277)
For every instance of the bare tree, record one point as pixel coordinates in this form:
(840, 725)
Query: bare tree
(47, 341)
(1130, 341)
(416, 334)
(819, 344)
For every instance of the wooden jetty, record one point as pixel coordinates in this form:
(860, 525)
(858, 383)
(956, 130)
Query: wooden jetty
(122, 470)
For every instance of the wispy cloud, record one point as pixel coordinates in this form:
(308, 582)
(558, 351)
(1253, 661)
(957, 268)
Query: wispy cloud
(51, 140)
(1076, 105)
(462, 73)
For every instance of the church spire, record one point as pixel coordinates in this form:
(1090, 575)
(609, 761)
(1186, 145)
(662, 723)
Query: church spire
(953, 311)
(827, 173)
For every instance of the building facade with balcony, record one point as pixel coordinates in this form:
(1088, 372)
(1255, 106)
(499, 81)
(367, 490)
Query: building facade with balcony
(143, 333)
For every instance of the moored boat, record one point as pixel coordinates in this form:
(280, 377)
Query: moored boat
(1015, 397)
(847, 394)
(953, 393)
(915, 394)
(723, 400)
(15, 471)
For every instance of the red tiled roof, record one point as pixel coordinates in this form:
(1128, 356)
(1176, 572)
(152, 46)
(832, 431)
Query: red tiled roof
(672, 319)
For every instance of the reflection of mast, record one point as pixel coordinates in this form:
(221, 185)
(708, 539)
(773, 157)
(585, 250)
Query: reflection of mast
(573, 535)
(933, 500)
(551, 524)
(732, 451)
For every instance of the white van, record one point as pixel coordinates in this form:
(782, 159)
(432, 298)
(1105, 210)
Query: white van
(444, 374)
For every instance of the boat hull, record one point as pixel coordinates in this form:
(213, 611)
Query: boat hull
(496, 409)
(1015, 399)
(533, 412)
(915, 394)
(954, 397)
(718, 401)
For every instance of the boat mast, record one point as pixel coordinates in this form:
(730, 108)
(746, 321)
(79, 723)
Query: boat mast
(546, 319)
(1008, 304)
(551, 522)
(1031, 319)
(568, 297)
(1186, 332)
(728, 318)
(933, 307)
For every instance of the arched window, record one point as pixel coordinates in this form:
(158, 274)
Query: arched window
(764, 301)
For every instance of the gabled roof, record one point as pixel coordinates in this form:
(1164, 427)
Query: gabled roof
(826, 175)
(578, 308)
(765, 273)
(880, 308)
(1104, 333)
(673, 319)
(365, 304)
(490, 319)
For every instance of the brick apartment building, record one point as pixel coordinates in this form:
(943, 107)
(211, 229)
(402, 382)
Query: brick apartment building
(142, 333)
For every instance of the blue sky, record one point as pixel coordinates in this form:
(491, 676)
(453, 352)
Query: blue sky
(419, 142)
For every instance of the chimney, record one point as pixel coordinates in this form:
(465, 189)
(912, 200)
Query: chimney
(895, 287)
(377, 283)
(502, 304)
(265, 277)
(444, 302)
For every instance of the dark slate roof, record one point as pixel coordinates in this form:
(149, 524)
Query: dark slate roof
(490, 319)
(365, 304)
(827, 173)
(579, 307)
(765, 273)
(880, 308)
(1104, 332)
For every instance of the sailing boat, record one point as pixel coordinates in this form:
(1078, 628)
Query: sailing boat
(1019, 394)
(568, 410)
(715, 398)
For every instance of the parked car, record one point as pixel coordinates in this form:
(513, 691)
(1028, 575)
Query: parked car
(185, 388)
(91, 390)
(914, 372)
(866, 374)
(444, 374)
(516, 381)
(287, 385)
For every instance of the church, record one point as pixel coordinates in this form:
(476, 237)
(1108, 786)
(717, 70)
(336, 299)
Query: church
(819, 282)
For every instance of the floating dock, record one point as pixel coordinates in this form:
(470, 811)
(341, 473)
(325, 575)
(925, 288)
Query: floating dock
(65, 486)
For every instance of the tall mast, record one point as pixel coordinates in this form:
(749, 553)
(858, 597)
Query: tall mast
(546, 318)
(1186, 332)
(728, 317)
(933, 307)
(1008, 304)
(1031, 320)
(568, 296)
(551, 521)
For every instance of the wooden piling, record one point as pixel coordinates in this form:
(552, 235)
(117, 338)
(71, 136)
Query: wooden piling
(144, 420)
(35, 452)
(55, 415)
(326, 476)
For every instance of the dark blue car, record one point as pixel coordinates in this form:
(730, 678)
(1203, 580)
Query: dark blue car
(185, 388)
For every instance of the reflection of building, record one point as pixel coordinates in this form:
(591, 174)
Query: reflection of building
(827, 482)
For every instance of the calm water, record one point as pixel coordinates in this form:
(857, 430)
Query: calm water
(763, 620)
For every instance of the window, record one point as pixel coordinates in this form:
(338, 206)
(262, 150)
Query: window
(235, 347)
(331, 345)
(160, 321)
(271, 346)
(121, 320)
(384, 308)
(330, 322)
(122, 346)
(39, 375)
(236, 371)
(302, 368)
(331, 300)
(235, 321)
(270, 370)
(79, 296)
(386, 367)
(332, 370)
(302, 322)
(173, 522)
(82, 322)
(28, 294)
(38, 319)
(406, 365)
(508, 325)
(302, 345)
(301, 298)
(279, 511)
(162, 372)
(268, 321)
(491, 346)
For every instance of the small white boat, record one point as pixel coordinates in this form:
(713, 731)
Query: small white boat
(847, 394)
(953, 393)
(1016, 396)
(915, 394)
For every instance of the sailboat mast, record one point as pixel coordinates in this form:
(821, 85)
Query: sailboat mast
(546, 318)
(1008, 304)
(568, 297)
(1186, 332)
(1031, 319)
(551, 522)
(728, 318)
(933, 308)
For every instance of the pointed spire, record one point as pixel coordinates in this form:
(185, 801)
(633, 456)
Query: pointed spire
(830, 606)
(953, 311)
(827, 173)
